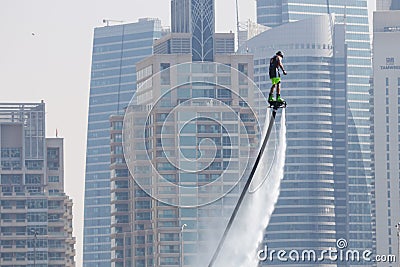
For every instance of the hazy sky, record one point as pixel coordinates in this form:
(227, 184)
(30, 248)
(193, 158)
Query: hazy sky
(45, 53)
(53, 64)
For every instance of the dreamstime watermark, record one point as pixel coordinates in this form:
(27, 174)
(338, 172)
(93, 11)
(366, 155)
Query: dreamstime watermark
(341, 253)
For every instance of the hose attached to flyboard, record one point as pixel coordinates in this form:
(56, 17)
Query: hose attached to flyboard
(246, 187)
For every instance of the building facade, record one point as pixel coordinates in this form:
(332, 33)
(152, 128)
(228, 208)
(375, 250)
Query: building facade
(386, 123)
(116, 49)
(387, 5)
(198, 18)
(186, 107)
(311, 212)
(122, 187)
(187, 135)
(356, 76)
(181, 43)
(203, 28)
(36, 215)
(180, 16)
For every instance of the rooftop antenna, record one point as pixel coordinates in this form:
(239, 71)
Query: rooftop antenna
(107, 21)
(237, 24)
(328, 7)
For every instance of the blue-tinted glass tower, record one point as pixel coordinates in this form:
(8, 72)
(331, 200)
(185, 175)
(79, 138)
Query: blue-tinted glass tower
(388, 5)
(352, 149)
(116, 50)
(305, 216)
(203, 28)
(198, 18)
(395, 5)
(180, 16)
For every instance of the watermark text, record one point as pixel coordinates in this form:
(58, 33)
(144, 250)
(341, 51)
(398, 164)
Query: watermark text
(340, 253)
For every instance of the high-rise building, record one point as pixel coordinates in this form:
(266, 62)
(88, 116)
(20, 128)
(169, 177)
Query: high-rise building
(355, 74)
(198, 18)
(311, 210)
(387, 5)
(180, 16)
(203, 28)
(36, 214)
(181, 43)
(395, 5)
(122, 209)
(386, 128)
(188, 134)
(116, 49)
(186, 107)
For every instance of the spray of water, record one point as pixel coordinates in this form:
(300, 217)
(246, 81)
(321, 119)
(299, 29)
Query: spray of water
(246, 235)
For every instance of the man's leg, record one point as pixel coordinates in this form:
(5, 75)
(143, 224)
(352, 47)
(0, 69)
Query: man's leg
(278, 93)
(271, 92)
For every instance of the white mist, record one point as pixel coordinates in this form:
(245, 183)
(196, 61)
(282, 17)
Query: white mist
(246, 234)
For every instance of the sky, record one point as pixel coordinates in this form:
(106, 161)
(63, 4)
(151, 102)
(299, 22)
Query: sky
(45, 54)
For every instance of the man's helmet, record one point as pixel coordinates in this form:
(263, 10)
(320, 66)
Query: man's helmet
(279, 53)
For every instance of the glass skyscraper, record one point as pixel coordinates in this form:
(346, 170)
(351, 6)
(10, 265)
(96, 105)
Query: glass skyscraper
(351, 147)
(395, 5)
(308, 214)
(203, 29)
(180, 16)
(388, 5)
(198, 18)
(116, 50)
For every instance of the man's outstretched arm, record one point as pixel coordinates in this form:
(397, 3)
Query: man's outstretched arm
(280, 65)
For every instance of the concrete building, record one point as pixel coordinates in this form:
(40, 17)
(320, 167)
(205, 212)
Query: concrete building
(122, 209)
(154, 223)
(116, 50)
(182, 106)
(386, 119)
(185, 106)
(36, 214)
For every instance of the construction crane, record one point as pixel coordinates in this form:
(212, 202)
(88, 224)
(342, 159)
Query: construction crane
(107, 21)
(240, 27)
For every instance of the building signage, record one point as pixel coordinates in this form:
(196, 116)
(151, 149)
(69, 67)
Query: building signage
(390, 64)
